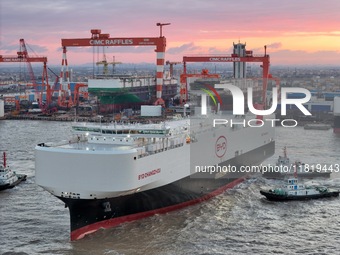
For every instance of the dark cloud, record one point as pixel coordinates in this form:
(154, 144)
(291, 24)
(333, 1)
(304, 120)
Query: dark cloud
(275, 45)
(31, 48)
(216, 51)
(185, 48)
(9, 48)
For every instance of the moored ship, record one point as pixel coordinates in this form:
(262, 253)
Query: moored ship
(107, 175)
(130, 90)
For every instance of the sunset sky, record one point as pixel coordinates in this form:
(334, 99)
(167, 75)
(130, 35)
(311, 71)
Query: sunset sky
(296, 32)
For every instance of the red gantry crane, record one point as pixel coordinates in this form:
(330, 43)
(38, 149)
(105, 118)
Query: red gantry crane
(183, 79)
(264, 59)
(22, 56)
(99, 39)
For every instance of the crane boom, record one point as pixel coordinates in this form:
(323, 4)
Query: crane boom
(161, 27)
(22, 56)
(19, 58)
(160, 43)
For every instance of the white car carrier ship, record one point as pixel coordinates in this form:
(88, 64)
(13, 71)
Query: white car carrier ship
(110, 174)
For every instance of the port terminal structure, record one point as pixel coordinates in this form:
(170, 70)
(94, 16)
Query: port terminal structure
(100, 39)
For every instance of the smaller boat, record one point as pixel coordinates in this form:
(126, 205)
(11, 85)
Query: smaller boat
(292, 190)
(284, 169)
(9, 178)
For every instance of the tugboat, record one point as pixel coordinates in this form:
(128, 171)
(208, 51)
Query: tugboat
(284, 169)
(295, 191)
(8, 178)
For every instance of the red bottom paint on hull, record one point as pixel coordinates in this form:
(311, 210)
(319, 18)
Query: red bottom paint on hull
(81, 232)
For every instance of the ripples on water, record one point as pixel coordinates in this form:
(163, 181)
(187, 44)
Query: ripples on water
(240, 221)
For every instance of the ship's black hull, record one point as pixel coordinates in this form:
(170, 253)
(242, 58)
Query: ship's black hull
(88, 215)
(5, 186)
(280, 198)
